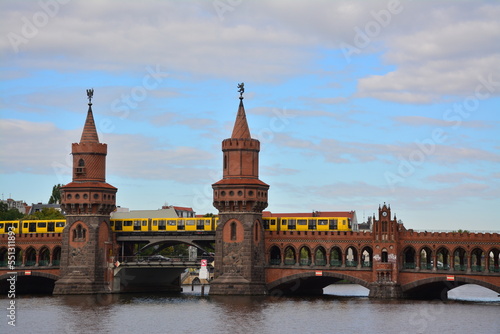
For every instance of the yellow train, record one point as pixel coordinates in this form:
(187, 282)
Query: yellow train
(307, 224)
(164, 224)
(32, 226)
(202, 224)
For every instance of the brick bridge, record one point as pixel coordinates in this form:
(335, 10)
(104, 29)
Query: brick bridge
(391, 261)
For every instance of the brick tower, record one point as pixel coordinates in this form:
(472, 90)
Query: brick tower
(240, 198)
(385, 262)
(88, 201)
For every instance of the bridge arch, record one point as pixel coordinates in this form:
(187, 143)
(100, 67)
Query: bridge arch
(36, 282)
(459, 259)
(438, 287)
(319, 256)
(308, 283)
(290, 255)
(274, 255)
(305, 255)
(409, 257)
(336, 256)
(493, 259)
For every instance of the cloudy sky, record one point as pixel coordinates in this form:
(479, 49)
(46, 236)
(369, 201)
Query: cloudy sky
(355, 103)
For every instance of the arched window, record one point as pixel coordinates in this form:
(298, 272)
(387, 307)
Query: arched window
(79, 233)
(385, 256)
(275, 258)
(233, 231)
(81, 167)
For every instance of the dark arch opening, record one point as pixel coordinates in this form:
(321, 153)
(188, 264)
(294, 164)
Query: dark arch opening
(275, 256)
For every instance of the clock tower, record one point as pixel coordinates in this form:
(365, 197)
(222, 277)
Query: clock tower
(385, 259)
(240, 198)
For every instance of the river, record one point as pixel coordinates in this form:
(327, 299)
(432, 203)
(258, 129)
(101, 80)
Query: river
(344, 309)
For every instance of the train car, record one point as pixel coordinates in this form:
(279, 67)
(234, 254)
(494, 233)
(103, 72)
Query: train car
(270, 223)
(5, 226)
(43, 226)
(312, 224)
(130, 225)
(183, 224)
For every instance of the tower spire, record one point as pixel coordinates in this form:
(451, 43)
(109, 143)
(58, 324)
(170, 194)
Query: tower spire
(241, 129)
(89, 134)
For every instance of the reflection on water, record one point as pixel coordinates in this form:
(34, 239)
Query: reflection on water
(192, 313)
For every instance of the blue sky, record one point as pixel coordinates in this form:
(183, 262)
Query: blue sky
(355, 103)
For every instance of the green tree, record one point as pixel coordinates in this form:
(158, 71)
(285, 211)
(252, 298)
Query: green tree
(55, 198)
(46, 213)
(9, 214)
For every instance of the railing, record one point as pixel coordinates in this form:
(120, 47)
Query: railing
(351, 263)
(494, 269)
(275, 262)
(289, 261)
(409, 265)
(426, 266)
(320, 262)
(335, 263)
(305, 262)
(443, 266)
(366, 264)
(3, 263)
(56, 262)
(152, 258)
(43, 263)
(30, 263)
(477, 268)
(460, 268)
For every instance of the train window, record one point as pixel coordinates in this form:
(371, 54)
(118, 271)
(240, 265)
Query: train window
(155, 223)
(301, 221)
(144, 223)
(207, 221)
(25, 225)
(127, 223)
(172, 223)
(32, 228)
(273, 221)
(60, 224)
(283, 222)
(322, 222)
(190, 222)
(42, 225)
(1, 225)
(118, 225)
(111, 223)
(51, 227)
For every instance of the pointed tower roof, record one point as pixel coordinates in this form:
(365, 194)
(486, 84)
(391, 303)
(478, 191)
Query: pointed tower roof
(241, 129)
(89, 134)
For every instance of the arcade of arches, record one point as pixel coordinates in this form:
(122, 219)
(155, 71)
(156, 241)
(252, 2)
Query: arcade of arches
(423, 258)
(33, 257)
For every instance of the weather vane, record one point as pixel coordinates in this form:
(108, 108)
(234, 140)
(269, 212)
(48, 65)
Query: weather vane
(90, 94)
(241, 89)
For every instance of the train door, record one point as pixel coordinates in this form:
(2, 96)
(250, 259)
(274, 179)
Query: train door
(200, 224)
(51, 227)
(292, 224)
(311, 224)
(162, 225)
(181, 225)
(118, 225)
(333, 224)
